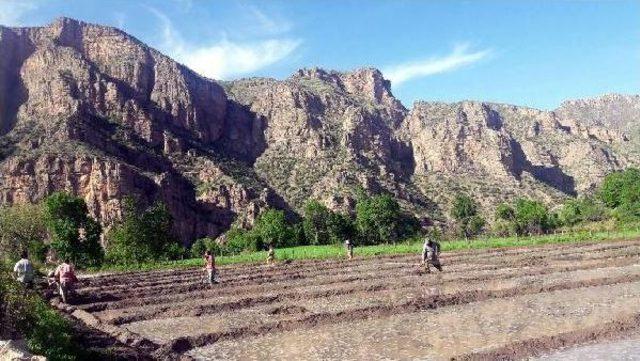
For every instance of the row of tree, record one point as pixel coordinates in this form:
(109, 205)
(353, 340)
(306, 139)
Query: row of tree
(617, 198)
(62, 224)
(376, 219)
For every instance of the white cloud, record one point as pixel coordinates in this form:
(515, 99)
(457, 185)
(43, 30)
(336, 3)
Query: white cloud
(224, 59)
(459, 57)
(12, 11)
(269, 24)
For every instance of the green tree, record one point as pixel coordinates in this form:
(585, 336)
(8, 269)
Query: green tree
(378, 219)
(272, 228)
(340, 227)
(75, 235)
(23, 227)
(621, 188)
(142, 235)
(465, 211)
(621, 191)
(316, 222)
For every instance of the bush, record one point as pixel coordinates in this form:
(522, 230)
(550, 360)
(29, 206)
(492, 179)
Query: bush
(239, 240)
(582, 210)
(75, 235)
(525, 216)
(143, 235)
(24, 314)
(207, 244)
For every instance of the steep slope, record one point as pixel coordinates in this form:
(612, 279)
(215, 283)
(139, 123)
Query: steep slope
(92, 110)
(103, 118)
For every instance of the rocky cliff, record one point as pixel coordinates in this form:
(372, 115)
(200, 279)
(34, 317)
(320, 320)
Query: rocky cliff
(92, 110)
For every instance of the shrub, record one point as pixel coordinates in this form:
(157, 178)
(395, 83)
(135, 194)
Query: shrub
(525, 216)
(24, 314)
(585, 209)
(207, 244)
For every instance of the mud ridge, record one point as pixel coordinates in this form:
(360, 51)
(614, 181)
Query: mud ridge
(199, 310)
(183, 344)
(540, 345)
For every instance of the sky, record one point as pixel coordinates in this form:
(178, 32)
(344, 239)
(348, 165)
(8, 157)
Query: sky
(534, 53)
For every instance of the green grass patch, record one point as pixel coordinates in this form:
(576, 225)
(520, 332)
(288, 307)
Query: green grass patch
(407, 247)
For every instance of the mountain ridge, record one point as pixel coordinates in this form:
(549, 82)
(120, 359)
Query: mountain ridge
(92, 110)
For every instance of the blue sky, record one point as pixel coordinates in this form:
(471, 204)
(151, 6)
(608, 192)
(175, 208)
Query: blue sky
(534, 53)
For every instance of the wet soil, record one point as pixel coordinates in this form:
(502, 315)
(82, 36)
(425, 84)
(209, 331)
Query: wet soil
(488, 304)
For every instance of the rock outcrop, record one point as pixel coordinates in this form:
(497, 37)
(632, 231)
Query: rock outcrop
(92, 110)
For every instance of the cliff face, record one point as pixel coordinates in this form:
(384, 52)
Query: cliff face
(91, 110)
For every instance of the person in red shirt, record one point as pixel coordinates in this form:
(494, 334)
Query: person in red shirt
(65, 275)
(210, 267)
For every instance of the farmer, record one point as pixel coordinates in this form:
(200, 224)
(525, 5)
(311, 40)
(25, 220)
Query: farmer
(23, 270)
(349, 246)
(210, 267)
(431, 254)
(65, 276)
(271, 255)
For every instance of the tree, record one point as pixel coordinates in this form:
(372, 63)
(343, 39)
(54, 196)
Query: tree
(143, 235)
(23, 227)
(378, 219)
(621, 191)
(316, 222)
(75, 235)
(340, 227)
(272, 228)
(464, 210)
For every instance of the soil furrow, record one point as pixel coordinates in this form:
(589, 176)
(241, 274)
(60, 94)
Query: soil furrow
(173, 310)
(183, 344)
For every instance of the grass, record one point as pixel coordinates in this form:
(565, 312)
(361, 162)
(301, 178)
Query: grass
(407, 247)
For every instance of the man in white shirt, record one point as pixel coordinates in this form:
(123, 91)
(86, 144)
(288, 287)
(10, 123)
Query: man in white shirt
(23, 270)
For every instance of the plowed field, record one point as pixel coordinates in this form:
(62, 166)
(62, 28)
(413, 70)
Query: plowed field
(486, 305)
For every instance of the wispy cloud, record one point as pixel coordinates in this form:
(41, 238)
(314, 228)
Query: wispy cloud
(12, 11)
(461, 56)
(269, 24)
(225, 59)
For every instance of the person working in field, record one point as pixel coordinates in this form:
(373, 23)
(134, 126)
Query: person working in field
(23, 270)
(271, 255)
(210, 267)
(65, 277)
(431, 254)
(349, 247)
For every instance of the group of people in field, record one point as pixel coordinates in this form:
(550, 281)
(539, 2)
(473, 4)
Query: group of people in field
(63, 277)
(430, 257)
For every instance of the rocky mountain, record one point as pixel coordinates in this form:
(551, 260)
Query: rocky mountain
(92, 110)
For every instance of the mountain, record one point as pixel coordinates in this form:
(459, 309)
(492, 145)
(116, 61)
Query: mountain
(92, 110)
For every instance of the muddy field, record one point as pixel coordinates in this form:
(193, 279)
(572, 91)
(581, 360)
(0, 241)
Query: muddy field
(490, 304)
